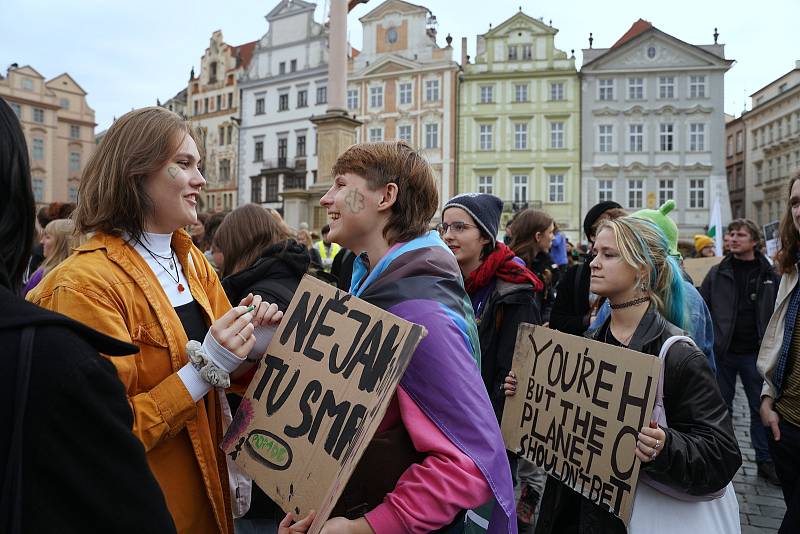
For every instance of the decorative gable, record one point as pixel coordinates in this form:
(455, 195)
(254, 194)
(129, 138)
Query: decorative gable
(652, 52)
(64, 82)
(654, 49)
(389, 68)
(27, 70)
(289, 7)
(520, 21)
(389, 65)
(391, 6)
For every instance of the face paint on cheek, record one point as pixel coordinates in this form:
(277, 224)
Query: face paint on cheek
(354, 200)
(173, 171)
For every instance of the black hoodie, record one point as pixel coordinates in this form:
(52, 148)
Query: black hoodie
(274, 276)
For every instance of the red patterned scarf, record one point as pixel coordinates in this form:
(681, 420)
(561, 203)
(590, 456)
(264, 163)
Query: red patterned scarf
(500, 263)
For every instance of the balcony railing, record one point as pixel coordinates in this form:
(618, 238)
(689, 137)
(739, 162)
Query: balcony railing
(511, 206)
(294, 181)
(298, 163)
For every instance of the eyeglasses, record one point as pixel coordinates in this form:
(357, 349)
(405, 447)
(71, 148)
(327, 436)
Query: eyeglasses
(457, 227)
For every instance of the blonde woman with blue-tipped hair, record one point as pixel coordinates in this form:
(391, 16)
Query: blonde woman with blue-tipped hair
(690, 455)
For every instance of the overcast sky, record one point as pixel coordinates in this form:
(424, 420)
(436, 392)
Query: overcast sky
(127, 54)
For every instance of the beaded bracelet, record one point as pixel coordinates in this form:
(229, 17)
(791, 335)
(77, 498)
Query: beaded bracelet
(208, 370)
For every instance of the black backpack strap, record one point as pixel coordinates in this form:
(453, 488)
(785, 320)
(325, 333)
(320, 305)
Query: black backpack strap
(11, 498)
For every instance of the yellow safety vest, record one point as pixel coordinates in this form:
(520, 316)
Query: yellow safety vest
(323, 253)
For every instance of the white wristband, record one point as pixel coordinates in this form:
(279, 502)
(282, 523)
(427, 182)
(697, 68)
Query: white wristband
(221, 356)
(263, 337)
(196, 386)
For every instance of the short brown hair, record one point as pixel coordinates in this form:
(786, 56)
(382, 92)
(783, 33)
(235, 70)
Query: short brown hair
(790, 238)
(53, 211)
(396, 162)
(526, 225)
(750, 226)
(111, 196)
(211, 225)
(244, 234)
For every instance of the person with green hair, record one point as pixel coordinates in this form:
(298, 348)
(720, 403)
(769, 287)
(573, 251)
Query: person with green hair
(700, 326)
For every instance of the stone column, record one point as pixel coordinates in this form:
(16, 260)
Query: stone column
(337, 57)
(336, 130)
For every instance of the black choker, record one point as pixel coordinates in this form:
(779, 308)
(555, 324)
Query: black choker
(630, 303)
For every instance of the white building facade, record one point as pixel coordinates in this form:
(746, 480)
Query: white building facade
(284, 86)
(773, 146)
(402, 86)
(653, 128)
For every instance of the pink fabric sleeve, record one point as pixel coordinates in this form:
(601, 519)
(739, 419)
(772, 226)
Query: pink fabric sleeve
(429, 494)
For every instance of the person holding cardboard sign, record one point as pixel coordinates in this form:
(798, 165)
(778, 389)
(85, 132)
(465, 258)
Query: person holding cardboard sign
(440, 419)
(140, 279)
(690, 456)
(260, 258)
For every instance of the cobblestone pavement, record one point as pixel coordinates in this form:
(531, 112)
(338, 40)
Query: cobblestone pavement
(761, 505)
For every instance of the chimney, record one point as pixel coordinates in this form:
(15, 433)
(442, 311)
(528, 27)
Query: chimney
(464, 57)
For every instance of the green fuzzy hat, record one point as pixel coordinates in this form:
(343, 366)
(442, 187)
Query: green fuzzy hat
(663, 221)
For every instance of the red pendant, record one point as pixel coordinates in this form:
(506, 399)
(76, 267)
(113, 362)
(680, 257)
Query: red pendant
(181, 289)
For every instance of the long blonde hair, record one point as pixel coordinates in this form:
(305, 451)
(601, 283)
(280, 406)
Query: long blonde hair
(643, 246)
(65, 239)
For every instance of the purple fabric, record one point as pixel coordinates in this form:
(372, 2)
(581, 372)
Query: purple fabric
(558, 249)
(445, 382)
(33, 281)
(480, 298)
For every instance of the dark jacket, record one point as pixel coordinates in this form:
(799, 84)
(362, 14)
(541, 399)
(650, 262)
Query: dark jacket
(507, 307)
(83, 470)
(275, 277)
(542, 265)
(721, 294)
(571, 307)
(342, 268)
(700, 455)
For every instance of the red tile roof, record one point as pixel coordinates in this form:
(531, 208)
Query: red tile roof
(638, 28)
(354, 52)
(246, 52)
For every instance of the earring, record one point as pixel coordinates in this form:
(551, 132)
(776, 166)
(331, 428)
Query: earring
(641, 283)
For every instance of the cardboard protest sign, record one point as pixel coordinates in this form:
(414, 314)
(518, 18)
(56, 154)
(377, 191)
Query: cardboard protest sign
(772, 238)
(318, 396)
(698, 268)
(578, 409)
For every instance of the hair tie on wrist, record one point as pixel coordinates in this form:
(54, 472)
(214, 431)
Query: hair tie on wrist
(209, 372)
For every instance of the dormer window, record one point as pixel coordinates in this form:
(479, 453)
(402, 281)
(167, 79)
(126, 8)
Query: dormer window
(526, 51)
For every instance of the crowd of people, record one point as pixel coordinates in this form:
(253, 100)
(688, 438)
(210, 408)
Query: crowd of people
(113, 427)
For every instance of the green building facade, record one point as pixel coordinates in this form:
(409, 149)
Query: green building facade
(519, 122)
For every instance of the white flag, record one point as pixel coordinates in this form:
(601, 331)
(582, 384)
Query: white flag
(715, 230)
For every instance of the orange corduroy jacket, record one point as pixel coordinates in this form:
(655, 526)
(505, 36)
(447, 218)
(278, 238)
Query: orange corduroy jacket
(107, 285)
